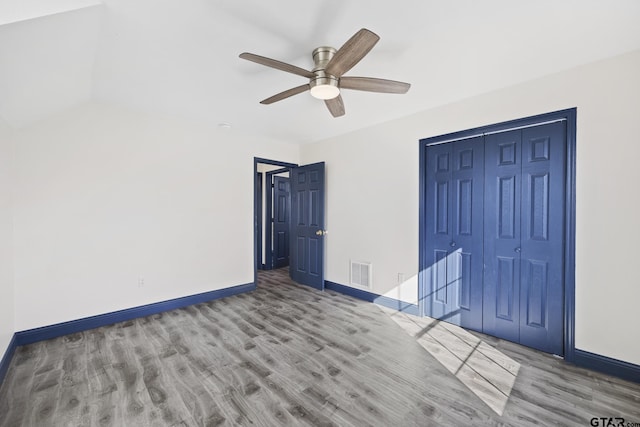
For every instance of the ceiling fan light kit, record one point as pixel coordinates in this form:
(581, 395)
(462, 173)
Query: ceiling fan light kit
(325, 79)
(324, 87)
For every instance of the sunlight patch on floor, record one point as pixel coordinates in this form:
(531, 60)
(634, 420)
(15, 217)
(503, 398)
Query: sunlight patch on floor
(486, 371)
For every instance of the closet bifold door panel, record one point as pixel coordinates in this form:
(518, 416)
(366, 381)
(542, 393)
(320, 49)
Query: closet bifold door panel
(503, 174)
(542, 237)
(524, 235)
(454, 196)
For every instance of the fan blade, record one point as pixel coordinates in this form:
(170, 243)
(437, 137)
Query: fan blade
(335, 106)
(351, 52)
(278, 65)
(374, 85)
(286, 94)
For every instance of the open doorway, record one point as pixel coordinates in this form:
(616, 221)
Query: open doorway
(278, 219)
(272, 205)
(299, 238)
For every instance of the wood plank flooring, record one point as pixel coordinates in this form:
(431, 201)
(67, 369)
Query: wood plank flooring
(289, 355)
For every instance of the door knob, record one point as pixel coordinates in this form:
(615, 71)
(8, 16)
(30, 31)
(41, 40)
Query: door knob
(452, 244)
(321, 232)
(517, 250)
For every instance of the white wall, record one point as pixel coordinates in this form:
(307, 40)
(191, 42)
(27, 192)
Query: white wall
(6, 240)
(372, 192)
(46, 64)
(105, 197)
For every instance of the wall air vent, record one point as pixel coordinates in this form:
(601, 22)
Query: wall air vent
(361, 274)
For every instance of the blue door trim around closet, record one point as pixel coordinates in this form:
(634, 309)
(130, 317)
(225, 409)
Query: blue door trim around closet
(570, 209)
(256, 195)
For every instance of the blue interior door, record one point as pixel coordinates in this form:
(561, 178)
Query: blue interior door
(307, 225)
(454, 232)
(524, 236)
(281, 221)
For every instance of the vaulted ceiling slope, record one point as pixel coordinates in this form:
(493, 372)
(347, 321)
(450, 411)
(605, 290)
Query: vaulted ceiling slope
(180, 58)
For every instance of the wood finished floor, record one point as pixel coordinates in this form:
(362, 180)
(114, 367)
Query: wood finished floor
(288, 355)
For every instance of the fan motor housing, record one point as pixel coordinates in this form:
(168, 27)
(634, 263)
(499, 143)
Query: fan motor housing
(321, 57)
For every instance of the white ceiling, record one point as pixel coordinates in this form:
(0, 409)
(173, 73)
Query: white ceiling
(180, 57)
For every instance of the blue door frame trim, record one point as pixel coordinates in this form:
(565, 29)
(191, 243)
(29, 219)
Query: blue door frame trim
(570, 212)
(256, 214)
(392, 303)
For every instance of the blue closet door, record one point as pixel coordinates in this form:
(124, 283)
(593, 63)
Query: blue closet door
(524, 236)
(454, 232)
(542, 238)
(502, 249)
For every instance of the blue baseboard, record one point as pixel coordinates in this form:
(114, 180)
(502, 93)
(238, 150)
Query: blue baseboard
(392, 303)
(53, 331)
(395, 304)
(6, 359)
(606, 365)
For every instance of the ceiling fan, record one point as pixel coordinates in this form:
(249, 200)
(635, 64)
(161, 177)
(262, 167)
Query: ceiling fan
(326, 78)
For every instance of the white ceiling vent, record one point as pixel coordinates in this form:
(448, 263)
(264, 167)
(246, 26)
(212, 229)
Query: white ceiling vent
(361, 274)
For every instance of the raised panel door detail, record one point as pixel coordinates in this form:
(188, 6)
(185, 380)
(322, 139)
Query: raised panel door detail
(314, 208)
(465, 159)
(302, 177)
(536, 283)
(314, 246)
(282, 240)
(439, 281)
(507, 154)
(442, 207)
(282, 209)
(465, 207)
(442, 162)
(507, 207)
(539, 206)
(539, 149)
(464, 278)
(301, 264)
(302, 208)
(464, 212)
(314, 177)
(505, 288)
